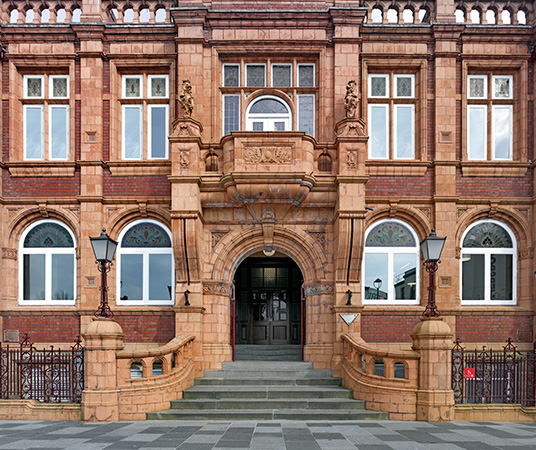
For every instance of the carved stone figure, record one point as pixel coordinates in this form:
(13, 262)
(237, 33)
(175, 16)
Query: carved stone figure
(350, 100)
(186, 100)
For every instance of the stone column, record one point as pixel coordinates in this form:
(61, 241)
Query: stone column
(100, 400)
(432, 338)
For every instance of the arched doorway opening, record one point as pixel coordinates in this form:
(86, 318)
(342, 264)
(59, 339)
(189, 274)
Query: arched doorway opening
(268, 301)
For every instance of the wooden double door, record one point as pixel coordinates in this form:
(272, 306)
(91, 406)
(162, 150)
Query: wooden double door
(268, 302)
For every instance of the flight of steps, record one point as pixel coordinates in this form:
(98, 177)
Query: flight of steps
(267, 390)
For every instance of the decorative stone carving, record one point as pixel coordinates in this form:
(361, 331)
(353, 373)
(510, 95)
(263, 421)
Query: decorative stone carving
(9, 253)
(318, 289)
(216, 288)
(184, 159)
(318, 236)
(268, 215)
(351, 100)
(352, 159)
(186, 99)
(271, 155)
(351, 128)
(217, 236)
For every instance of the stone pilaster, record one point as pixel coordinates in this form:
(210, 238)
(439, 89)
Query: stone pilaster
(100, 400)
(432, 338)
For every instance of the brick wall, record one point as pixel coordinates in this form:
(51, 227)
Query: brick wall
(147, 328)
(41, 186)
(130, 186)
(388, 328)
(40, 328)
(494, 186)
(401, 186)
(494, 328)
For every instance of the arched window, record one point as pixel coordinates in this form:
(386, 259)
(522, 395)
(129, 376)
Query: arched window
(145, 264)
(390, 263)
(488, 264)
(47, 265)
(268, 113)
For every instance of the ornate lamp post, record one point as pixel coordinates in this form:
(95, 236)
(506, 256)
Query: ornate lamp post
(104, 250)
(431, 248)
(377, 283)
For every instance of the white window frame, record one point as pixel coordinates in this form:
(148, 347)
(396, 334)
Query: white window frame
(145, 252)
(149, 87)
(246, 78)
(51, 79)
(51, 131)
(223, 75)
(25, 128)
(272, 78)
(314, 109)
(314, 74)
(268, 119)
(391, 251)
(395, 85)
(487, 252)
(471, 128)
(48, 252)
(386, 78)
(510, 108)
(511, 85)
(124, 86)
(26, 78)
(123, 131)
(477, 77)
(397, 106)
(150, 130)
(385, 106)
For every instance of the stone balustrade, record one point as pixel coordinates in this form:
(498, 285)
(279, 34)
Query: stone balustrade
(514, 12)
(387, 380)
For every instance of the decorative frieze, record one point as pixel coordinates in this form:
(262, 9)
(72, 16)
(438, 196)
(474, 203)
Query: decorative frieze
(318, 289)
(270, 155)
(216, 288)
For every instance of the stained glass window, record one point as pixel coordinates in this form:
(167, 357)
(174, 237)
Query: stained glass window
(231, 75)
(146, 234)
(306, 114)
(488, 234)
(268, 106)
(281, 75)
(231, 108)
(60, 88)
(306, 75)
(255, 75)
(404, 86)
(158, 86)
(378, 85)
(48, 235)
(34, 87)
(132, 87)
(477, 87)
(502, 87)
(390, 234)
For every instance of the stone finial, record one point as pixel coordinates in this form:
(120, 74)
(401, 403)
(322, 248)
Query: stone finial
(350, 100)
(186, 99)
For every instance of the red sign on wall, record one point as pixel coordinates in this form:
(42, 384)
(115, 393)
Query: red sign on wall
(469, 372)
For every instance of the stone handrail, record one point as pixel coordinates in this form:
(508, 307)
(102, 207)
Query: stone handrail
(387, 393)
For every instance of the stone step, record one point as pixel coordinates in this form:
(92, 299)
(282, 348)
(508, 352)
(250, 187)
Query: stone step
(268, 382)
(266, 392)
(277, 404)
(288, 414)
(268, 352)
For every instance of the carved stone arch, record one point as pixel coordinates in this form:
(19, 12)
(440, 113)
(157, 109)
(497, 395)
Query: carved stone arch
(121, 218)
(415, 218)
(516, 222)
(236, 247)
(22, 220)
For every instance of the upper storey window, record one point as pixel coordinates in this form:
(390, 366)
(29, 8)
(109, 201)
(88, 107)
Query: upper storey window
(289, 87)
(46, 117)
(490, 117)
(391, 116)
(145, 116)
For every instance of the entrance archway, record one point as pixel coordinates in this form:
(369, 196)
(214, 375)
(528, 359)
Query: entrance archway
(268, 306)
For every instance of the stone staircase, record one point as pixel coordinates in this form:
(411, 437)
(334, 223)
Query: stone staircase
(267, 390)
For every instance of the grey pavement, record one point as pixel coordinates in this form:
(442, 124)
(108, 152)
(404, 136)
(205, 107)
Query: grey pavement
(277, 435)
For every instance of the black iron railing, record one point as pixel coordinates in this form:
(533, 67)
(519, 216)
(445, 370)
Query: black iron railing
(47, 375)
(494, 376)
